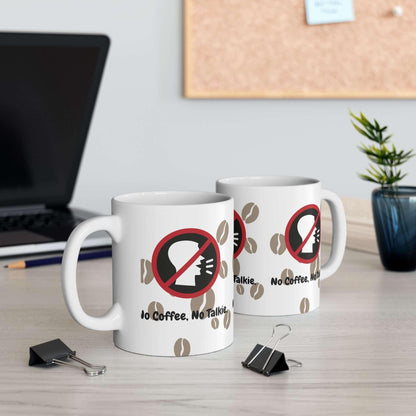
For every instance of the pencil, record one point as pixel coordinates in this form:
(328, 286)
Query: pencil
(57, 260)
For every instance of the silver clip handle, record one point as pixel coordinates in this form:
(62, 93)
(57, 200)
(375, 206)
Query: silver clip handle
(296, 363)
(89, 369)
(277, 341)
(269, 341)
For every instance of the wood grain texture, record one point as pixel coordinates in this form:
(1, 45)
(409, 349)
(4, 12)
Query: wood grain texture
(265, 49)
(358, 352)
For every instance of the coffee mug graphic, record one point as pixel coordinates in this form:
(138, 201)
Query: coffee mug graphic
(278, 272)
(172, 273)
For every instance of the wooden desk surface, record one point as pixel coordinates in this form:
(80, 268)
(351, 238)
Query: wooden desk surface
(358, 352)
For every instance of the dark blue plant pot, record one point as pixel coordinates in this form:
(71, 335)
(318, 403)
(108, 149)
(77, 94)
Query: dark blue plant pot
(394, 213)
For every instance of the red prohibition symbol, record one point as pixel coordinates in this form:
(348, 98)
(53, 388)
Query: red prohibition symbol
(186, 262)
(239, 234)
(303, 234)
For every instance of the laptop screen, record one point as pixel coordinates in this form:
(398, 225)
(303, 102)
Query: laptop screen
(48, 87)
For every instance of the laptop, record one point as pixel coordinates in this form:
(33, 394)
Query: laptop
(48, 88)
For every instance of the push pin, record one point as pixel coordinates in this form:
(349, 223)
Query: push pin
(397, 11)
(267, 360)
(56, 352)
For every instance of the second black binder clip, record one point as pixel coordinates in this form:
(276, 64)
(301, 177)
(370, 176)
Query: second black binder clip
(267, 360)
(56, 352)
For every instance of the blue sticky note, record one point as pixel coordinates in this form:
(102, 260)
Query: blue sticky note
(329, 11)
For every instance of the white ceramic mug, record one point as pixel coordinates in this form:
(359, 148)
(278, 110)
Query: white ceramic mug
(172, 272)
(277, 242)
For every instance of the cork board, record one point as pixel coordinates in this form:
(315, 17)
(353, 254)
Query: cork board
(265, 49)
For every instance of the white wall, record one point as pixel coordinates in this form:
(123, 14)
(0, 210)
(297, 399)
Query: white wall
(146, 136)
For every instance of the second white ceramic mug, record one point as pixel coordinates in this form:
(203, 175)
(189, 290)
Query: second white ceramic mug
(277, 236)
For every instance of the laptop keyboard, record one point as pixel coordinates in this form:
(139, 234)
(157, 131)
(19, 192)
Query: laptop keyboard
(38, 221)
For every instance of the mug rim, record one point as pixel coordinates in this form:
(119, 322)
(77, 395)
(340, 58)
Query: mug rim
(268, 181)
(171, 198)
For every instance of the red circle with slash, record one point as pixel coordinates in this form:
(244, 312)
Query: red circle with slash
(295, 242)
(166, 274)
(240, 232)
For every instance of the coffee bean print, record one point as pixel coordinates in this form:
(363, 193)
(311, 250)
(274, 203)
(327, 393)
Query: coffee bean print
(314, 267)
(304, 305)
(203, 302)
(278, 244)
(250, 246)
(155, 307)
(227, 319)
(146, 272)
(236, 267)
(240, 289)
(222, 232)
(223, 269)
(250, 212)
(215, 323)
(287, 274)
(256, 291)
(182, 347)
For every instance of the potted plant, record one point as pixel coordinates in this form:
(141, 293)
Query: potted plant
(394, 206)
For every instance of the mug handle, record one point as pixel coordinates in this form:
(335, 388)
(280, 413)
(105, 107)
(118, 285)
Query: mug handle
(112, 319)
(339, 233)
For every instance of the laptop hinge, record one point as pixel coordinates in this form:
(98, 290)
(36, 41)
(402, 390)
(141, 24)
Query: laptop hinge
(23, 210)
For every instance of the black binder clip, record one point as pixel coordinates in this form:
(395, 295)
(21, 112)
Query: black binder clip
(56, 352)
(267, 360)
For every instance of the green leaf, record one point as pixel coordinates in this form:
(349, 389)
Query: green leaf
(386, 139)
(409, 154)
(367, 178)
(364, 120)
(363, 132)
